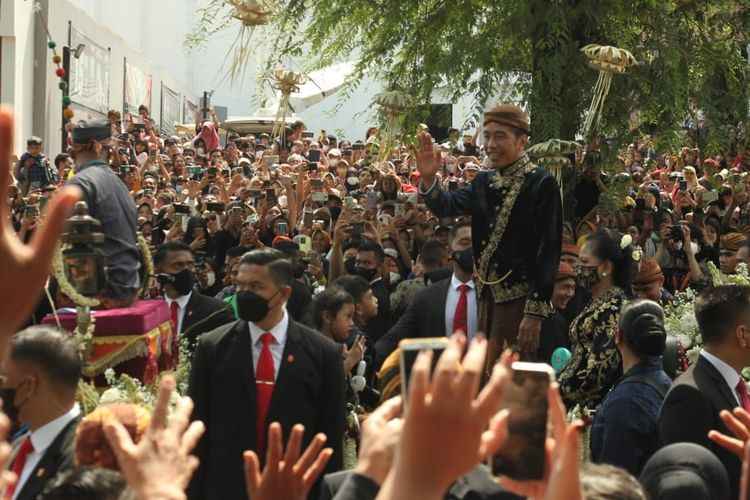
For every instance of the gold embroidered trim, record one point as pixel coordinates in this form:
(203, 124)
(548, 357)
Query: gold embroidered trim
(509, 183)
(505, 294)
(538, 308)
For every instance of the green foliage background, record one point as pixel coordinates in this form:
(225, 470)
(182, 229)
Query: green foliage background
(686, 49)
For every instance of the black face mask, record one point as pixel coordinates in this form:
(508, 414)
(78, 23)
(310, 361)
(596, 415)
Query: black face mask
(586, 276)
(368, 274)
(350, 265)
(8, 396)
(464, 259)
(251, 306)
(183, 281)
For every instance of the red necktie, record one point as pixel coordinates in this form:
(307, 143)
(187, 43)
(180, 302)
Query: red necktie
(18, 462)
(264, 380)
(744, 399)
(174, 318)
(461, 315)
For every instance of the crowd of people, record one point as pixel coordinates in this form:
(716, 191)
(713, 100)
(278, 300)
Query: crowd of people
(293, 267)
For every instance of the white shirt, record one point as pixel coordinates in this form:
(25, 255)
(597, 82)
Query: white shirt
(277, 345)
(451, 301)
(182, 302)
(727, 372)
(41, 439)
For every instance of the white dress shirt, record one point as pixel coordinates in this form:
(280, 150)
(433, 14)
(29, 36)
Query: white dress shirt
(41, 439)
(727, 372)
(277, 345)
(182, 302)
(451, 301)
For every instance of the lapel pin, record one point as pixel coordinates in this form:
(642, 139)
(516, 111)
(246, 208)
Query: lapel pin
(190, 313)
(40, 472)
(290, 358)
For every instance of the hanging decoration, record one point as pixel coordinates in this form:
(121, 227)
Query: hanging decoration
(608, 61)
(250, 13)
(60, 71)
(554, 155)
(286, 82)
(393, 104)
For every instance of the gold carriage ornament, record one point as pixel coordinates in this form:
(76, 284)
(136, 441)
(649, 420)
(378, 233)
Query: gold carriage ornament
(286, 82)
(608, 61)
(554, 155)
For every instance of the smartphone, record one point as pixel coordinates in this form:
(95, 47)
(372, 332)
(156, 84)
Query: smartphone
(683, 185)
(307, 219)
(316, 183)
(43, 202)
(126, 169)
(215, 207)
(283, 229)
(181, 208)
(195, 172)
(313, 155)
(708, 197)
(372, 200)
(347, 153)
(308, 134)
(319, 196)
(640, 203)
(305, 244)
(658, 217)
(152, 153)
(349, 202)
(358, 229)
(271, 196)
(398, 210)
(271, 160)
(312, 166)
(255, 194)
(452, 185)
(384, 219)
(745, 219)
(409, 350)
(358, 146)
(212, 171)
(523, 457)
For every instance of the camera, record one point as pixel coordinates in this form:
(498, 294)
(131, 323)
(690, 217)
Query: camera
(676, 233)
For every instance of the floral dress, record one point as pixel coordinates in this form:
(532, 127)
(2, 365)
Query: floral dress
(595, 364)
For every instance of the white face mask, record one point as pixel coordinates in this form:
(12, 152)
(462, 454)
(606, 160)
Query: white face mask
(395, 278)
(210, 279)
(333, 161)
(352, 181)
(694, 247)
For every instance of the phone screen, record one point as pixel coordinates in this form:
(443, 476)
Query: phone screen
(409, 350)
(522, 457)
(313, 155)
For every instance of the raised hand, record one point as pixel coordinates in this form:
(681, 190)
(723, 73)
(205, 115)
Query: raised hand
(738, 421)
(469, 426)
(160, 465)
(25, 267)
(428, 158)
(289, 477)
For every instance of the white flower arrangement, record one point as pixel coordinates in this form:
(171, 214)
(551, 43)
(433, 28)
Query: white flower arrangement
(680, 322)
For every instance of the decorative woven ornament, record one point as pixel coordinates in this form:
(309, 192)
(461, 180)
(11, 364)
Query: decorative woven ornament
(250, 13)
(393, 104)
(285, 82)
(554, 155)
(608, 61)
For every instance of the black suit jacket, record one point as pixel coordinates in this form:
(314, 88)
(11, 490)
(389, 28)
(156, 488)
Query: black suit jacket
(309, 390)
(203, 314)
(691, 409)
(474, 485)
(58, 458)
(425, 317)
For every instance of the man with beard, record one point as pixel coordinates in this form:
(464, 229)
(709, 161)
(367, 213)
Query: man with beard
(456, 296)
(516, 230)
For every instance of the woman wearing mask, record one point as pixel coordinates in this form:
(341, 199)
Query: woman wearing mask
(608, 264)
(390, 187)
(625, 431)
(683, 256)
